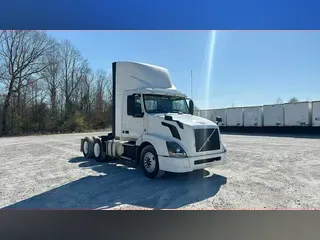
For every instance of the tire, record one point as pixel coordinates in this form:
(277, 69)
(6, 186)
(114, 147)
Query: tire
(98, 153)
(150, 163)
(87, 147)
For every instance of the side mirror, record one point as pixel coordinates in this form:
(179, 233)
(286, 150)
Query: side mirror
(218, 119)
(191, 107)
(134, 107)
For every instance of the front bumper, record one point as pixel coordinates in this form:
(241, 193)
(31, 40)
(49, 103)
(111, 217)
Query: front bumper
(189, 164)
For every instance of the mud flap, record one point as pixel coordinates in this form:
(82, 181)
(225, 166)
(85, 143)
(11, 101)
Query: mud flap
(81, 145)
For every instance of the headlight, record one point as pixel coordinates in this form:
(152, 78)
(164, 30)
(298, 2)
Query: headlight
(175, 150)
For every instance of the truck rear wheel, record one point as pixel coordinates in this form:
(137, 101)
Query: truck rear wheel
(87, 147)
(98, 153)
(150, 163)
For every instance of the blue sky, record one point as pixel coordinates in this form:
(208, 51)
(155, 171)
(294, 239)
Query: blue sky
(246, 68)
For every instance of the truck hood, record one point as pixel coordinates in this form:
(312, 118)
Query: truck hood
(188, 119)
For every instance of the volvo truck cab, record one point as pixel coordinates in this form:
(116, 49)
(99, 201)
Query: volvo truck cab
(154, 125)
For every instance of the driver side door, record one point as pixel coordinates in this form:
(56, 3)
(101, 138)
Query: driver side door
(134, 126)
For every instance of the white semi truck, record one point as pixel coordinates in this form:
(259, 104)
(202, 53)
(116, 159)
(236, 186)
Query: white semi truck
(153, 124)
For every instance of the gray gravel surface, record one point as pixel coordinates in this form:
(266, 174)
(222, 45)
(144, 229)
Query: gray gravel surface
(49, 172)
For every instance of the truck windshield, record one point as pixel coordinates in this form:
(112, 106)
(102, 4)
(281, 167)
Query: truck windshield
(165, 104)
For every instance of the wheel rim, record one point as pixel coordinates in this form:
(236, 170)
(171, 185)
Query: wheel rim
(85, 147)
(96, 149)
(149, 162)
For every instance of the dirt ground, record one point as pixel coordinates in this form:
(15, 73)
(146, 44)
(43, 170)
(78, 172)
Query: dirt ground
(49, 172)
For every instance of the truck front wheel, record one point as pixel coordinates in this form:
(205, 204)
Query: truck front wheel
(149, 162)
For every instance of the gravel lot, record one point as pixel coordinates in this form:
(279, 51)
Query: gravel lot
(48, 172)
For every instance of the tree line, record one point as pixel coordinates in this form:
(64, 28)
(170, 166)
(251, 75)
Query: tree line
(291, 100)
(47, 86)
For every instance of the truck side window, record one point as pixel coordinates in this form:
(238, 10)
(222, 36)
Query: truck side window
(133, 104)
(179, 105)
(151, 104)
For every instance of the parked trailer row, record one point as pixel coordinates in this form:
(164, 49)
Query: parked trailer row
(276, 115)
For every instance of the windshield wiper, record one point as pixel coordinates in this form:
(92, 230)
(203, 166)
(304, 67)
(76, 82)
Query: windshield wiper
(158, 111)
(177, 111)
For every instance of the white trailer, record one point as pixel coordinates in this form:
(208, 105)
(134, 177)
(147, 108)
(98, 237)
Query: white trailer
(316, 113)
(196, 112)
(206, 113)
(222, 113)
(154, 126)
(273, 115)
(297, 114)
(252, 116)
(235, 117)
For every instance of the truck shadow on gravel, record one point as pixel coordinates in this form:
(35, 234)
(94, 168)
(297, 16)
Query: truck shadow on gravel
(121, 183)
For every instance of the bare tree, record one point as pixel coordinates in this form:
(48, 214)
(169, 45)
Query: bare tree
(279, 101)
(101, 96)
(101, 84)
(21, 53)
(74, 68)
(293, 100)
(109, 88)
(52, 76)
(87, 91)
(2, 66)
(108, 100)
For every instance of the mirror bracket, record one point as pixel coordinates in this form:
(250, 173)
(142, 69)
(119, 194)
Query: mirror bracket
(218, 120)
